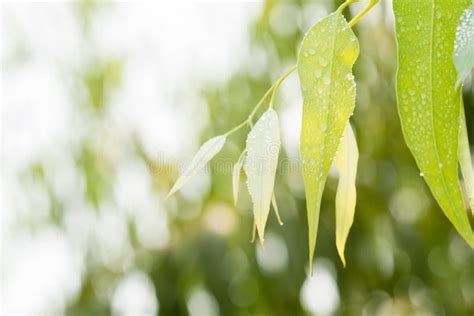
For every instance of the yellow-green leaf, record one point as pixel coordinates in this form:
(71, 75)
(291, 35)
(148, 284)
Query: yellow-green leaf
(263, 146)
(464, 45)
(236, 176)
(346, 163)
(465, 159)
(275, 208)
(325, 62)
(202, 157)
(428, 104)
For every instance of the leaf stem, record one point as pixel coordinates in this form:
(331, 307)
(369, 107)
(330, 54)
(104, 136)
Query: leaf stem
(273, 88)
(235, 129)
(279, 82)
(345, 5)
(363, 12)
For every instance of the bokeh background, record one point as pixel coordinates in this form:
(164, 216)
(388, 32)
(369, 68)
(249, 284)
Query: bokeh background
(103, 102)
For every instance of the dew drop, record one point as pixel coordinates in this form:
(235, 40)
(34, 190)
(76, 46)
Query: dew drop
(318, 73)
(323, 126)
(323, 61)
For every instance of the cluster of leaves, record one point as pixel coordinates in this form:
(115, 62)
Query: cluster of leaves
(434, 58)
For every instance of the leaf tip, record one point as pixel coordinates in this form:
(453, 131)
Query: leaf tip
(341, 255)
(254, 232)
(170, 193)
(236, 197)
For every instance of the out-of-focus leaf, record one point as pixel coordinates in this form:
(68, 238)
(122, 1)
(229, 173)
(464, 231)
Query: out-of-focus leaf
(236, 176)
(202, 157)
(275, 208)
(464, 45)
(465, 159)
(263, 146)
(254, 231)
(325, 62)
(427, 102)
(346, 163)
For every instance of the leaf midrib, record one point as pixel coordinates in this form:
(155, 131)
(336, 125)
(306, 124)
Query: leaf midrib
(329, 103)
(443, 180)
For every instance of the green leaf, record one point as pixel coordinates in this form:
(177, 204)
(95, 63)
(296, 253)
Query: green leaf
(465, 160)
(428, 104)
(236, 176)
(464, 45)
(325, 62)
(346, 162)
(263, 146)
(202, 157)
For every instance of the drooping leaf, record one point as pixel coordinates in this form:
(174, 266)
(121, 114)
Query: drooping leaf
(346, 163)
(263, 146)
(275, 208)
(236, 176)
(325, 62)
(202, 157)
(427, 102)
(464, 45)
(465, 159)
(254, 231)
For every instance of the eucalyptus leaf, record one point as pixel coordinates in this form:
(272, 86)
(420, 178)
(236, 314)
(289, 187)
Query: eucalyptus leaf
(325, 61)
(254, 231)
(464, 45)
(428, 104)
(275, 208)
(236, 176)
(263, 146)
(202, 157)
(346, 163)
(465, 160)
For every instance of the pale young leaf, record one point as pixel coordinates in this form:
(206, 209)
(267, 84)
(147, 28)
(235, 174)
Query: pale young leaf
(465, 160)
(275, 208)
(202, 157)
(263, 146)
(464, 45)
(346, 163)
(236, 176)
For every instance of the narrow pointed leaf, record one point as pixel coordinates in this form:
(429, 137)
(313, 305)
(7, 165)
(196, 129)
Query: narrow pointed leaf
(464, 45)
(428, 104)
(236, 176)
(465, 160)
(325, 62)
(202, 157)
(254, 231)
(263, 146)
(275, 208)
(346, 163)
